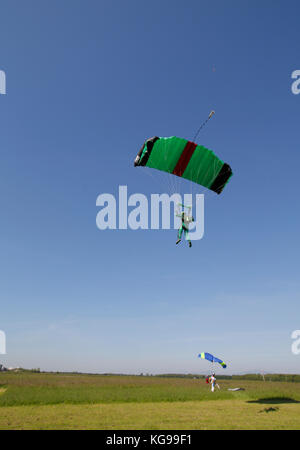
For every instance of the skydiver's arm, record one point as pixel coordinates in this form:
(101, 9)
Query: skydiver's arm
(190, 219)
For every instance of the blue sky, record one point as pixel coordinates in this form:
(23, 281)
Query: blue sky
(87, 82)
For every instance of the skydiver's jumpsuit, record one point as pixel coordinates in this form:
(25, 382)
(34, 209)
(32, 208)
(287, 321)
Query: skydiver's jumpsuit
(185, 227)
(213, 383)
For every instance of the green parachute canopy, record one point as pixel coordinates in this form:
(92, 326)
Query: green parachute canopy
(185, 159)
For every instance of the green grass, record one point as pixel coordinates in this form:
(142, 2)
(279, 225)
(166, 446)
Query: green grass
(46, 389)
(73, 401)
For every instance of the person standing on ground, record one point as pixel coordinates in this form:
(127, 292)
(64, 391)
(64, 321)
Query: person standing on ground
(213, 382)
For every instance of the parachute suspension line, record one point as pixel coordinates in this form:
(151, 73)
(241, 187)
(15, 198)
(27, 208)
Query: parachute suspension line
(203, 125)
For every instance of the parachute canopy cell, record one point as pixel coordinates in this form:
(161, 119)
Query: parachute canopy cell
(185, 159)
(212, 359)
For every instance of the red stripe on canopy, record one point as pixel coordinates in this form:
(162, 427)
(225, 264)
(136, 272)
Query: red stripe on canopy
(184, 158)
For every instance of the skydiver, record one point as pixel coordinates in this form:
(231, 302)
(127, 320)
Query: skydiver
(186, 219)
(213, 382)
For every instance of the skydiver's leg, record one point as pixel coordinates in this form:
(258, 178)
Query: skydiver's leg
(179, 235)
(180, 232)
(186, 234)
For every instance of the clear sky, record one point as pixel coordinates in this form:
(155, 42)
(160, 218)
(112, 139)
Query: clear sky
(87, 82)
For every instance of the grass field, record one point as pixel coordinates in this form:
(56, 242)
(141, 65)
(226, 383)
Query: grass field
(71, 401)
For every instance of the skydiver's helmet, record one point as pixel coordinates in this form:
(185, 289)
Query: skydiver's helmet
(213, 374)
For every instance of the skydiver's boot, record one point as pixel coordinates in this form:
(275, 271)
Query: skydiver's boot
(190, 244)
(178, 241)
